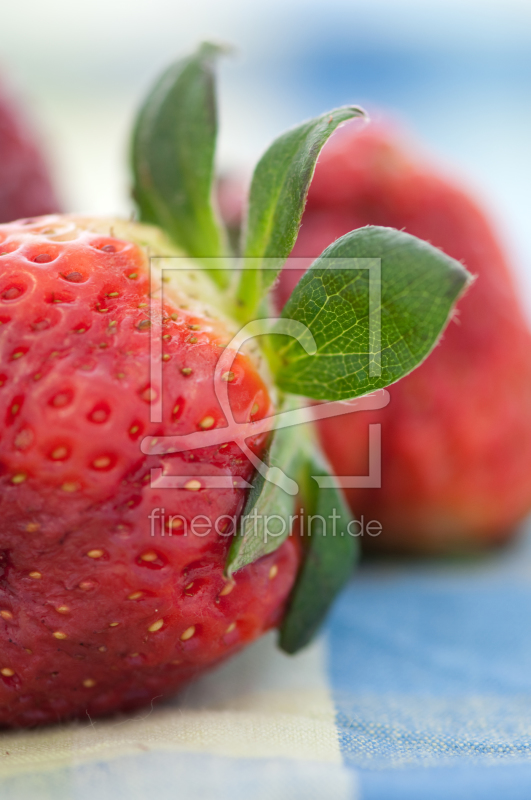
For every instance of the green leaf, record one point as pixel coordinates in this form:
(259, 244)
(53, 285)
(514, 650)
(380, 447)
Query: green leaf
(269, 517)
(330, 555)
(261, 531)
(373, 324)
(173, 151)
(277, 197)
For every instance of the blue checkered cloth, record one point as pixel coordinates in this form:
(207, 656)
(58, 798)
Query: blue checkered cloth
(419, 689)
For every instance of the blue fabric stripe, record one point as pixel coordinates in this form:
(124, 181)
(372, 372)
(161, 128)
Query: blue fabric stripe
(432, 636)
(462, 783)
(430, 669)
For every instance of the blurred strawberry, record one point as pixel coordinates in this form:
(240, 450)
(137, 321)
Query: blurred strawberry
(456, 437)
(25, 186)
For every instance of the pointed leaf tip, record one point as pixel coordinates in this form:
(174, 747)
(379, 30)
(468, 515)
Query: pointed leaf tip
(277, 198)
(173, 151)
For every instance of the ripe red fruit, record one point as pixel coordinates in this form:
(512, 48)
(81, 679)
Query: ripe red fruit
(456, 437)
(103, 606)
(115, 366)
(25, 186)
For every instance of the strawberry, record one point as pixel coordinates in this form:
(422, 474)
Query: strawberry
(456, 438)
(129, 561)
(25, 186)
(83, 586)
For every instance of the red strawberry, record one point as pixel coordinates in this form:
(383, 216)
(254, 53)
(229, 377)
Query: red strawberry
(96, 613)
(132, 556)
(456, 437)
(25, 186)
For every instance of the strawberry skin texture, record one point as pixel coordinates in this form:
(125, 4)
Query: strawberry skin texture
(97, 614)
(456, 436)
(25, 185)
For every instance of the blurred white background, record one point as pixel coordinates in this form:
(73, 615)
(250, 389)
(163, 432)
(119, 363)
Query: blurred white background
(459, 73)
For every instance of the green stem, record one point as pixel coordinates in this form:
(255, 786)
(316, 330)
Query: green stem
(248, 293)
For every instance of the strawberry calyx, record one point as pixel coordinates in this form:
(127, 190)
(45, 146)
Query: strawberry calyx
(367, 312)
